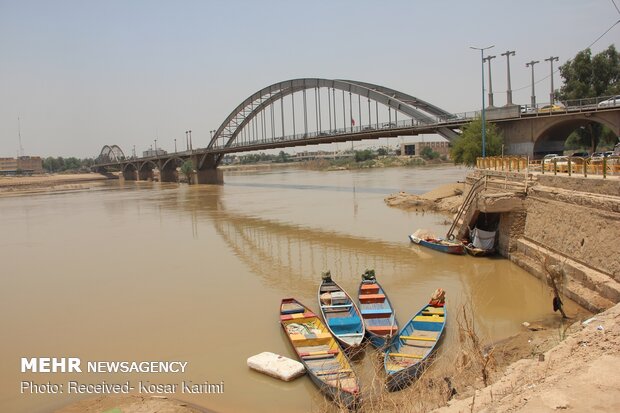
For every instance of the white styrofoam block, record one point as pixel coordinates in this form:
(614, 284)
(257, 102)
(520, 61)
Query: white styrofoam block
(276, 366)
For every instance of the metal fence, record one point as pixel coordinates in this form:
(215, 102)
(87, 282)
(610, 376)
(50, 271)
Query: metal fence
(567, 165)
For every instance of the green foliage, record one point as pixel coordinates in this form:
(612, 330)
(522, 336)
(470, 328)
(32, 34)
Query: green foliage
(283, 157)
(365, 155)
(382, 151)
(187, 169)
(585, 77)
(428, 153)
(71, 164)
(468, 146)
(256, 157)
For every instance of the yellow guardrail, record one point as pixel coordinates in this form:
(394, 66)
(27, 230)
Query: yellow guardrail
(570, 165)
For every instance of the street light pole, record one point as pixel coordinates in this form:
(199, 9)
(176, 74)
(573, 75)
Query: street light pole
(488, 59)
(155, 146)
(509, 91)
(552, 94)
(482, 49)
(190, 141)
(175, 145)
(531, 64)
(186, 141)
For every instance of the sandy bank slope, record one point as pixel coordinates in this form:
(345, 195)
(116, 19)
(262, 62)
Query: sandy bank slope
(132, 404)
(581, 374)
(12, 185)
(447, 197)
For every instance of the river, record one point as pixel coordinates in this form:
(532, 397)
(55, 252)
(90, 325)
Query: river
(142, 271)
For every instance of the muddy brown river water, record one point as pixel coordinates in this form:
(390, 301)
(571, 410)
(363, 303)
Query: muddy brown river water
(142, 271)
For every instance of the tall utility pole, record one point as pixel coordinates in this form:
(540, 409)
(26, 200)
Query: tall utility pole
(531, 64)
(191, 148)
(482, 49)
(552, 93)
(19, 135)
(186, 140)
(509, 91)
(488, 59)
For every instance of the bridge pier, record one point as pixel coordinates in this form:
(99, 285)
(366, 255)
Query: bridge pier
(209, 176)
(206, 170)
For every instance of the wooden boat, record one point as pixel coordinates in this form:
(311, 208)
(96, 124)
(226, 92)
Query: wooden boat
(412, 348)
(439, 244)
(377, 312)
(340, 313)
(326, 363)
(478, 252)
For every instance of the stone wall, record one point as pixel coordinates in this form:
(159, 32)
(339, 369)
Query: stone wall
(577, 226)
(571, 222)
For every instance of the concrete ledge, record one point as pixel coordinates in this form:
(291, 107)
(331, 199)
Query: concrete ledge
(590, 288)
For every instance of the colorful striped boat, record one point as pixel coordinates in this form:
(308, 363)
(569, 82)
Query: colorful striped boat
(327, 365)
(340, 313)
(377, 312)
(412, 348)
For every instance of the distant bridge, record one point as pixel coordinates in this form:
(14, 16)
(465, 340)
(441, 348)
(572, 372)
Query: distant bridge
(304, 112)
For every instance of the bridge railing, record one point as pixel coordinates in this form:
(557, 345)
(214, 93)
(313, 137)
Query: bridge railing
(569, 165)
(373, 127)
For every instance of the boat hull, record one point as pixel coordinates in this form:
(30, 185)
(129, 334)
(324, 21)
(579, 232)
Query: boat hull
(478, 252)
(342, 316)
(412, 349)
(377, 313)
(327, 366)
(448, 247)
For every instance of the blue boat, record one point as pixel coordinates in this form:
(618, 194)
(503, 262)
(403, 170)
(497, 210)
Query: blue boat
(377, 312)
(340, 313)
(412, 348)
(439, 244)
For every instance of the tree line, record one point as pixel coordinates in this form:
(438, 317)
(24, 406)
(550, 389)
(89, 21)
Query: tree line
(71, 164)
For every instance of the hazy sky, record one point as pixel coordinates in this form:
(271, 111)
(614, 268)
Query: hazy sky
(81, 74)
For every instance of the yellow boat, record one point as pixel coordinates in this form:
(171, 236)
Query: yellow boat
(319, 352)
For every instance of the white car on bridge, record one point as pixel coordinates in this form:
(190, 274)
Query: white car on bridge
(612, 101)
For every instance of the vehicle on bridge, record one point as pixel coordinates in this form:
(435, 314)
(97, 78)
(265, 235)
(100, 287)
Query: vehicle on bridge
(555, 107)
(612, 101)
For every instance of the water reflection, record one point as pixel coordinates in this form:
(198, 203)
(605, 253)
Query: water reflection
(139, 270)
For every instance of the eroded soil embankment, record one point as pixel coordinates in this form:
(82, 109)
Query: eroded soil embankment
(445, 198)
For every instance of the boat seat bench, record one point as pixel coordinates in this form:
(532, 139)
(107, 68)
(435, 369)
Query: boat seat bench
(372, 298)
(382, 330)
(376, 312)
(418, 338)
(411, 356)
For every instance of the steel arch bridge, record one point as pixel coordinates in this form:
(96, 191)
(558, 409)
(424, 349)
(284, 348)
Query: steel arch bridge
(110, 154)
(330, 109)
(311, 111)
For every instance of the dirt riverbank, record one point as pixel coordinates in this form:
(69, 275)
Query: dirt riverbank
(579, 374)
(132, 404)
(22, 185)
(445, 198)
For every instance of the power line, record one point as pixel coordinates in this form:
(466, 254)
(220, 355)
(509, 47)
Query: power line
(614, 3)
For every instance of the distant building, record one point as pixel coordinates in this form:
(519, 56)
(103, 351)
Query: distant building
(441, 147)
(21, 165)
(153, 152)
